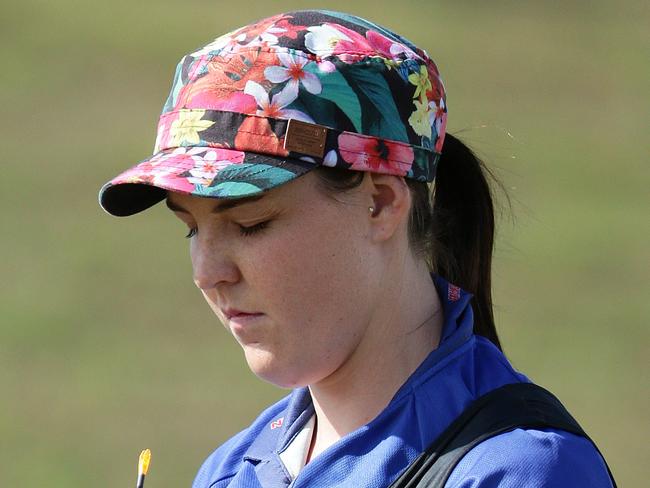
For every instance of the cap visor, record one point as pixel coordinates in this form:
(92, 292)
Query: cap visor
(201, 171)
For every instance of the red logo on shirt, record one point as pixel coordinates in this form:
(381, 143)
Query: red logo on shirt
(277, 423)
(453, 293)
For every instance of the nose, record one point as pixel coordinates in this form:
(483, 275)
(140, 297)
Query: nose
(212, 265)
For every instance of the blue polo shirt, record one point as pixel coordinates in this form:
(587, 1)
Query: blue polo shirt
(463, 368)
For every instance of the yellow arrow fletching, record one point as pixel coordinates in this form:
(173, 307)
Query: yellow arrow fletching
(143, 463)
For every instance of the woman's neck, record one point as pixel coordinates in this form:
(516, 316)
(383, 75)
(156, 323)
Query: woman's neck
(405, 329)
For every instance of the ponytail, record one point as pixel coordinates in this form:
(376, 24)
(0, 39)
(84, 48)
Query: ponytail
(459, 228)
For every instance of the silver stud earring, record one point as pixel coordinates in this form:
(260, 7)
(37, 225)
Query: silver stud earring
(371, 210)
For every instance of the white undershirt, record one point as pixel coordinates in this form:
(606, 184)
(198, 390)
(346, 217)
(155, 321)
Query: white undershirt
(294, 457)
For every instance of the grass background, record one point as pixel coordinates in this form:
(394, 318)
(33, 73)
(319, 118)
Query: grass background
(107, 348)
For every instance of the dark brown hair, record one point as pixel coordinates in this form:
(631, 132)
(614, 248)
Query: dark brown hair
(451, 227)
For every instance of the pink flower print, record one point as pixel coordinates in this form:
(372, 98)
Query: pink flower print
(181, 158)
(292, 69)
(219, 100)
(234, 157)
(167, 168)
(388, 47)
(354, 46)
(378, 155)
(328, 39)
(206, 169)
(275, 106)
(174, 182)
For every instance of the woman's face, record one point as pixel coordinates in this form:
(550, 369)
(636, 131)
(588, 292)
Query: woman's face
(292, 275)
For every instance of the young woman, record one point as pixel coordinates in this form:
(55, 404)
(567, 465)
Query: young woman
(298, 152)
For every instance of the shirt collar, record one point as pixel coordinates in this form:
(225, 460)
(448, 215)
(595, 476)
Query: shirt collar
(277, 435)
(457, 313)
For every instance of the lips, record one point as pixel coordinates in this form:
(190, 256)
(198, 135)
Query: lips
(244, 325)
(233, 313)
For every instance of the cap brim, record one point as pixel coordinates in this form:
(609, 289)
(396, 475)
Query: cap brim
(201, 171)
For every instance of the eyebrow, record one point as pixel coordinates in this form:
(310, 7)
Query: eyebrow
(221, 206)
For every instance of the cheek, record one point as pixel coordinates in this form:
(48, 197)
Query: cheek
(317, 287)
(310, 263)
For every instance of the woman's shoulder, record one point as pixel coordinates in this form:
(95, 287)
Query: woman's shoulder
(226, 460)
(531, 458)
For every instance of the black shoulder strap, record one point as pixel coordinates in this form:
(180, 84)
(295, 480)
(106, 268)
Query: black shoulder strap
(519, 405)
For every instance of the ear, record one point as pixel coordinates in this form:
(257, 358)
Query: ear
(391, 201)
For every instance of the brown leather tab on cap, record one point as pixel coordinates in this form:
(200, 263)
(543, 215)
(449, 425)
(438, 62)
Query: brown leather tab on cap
(305, 138)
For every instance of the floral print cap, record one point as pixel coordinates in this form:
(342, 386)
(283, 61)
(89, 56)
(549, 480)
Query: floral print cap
(269, 102)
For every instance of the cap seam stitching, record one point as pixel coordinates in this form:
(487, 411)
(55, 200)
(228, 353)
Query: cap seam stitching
(306, 55)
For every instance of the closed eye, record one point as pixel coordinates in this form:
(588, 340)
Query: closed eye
(243, 230)
(253, 229)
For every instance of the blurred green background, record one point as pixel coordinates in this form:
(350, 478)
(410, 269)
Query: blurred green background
(106, 347)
